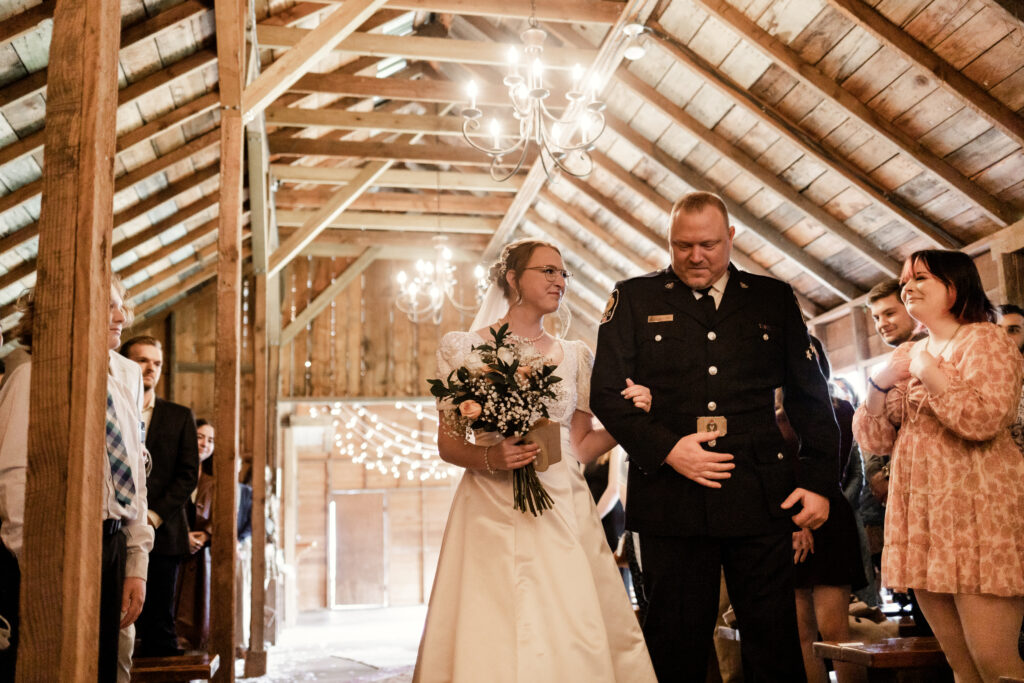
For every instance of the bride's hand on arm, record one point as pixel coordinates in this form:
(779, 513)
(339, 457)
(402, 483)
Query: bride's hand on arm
(638, 394)
(590, 442)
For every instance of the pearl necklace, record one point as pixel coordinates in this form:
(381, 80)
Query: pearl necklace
(528, 340)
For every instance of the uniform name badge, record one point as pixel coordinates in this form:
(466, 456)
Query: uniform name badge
(713, 423)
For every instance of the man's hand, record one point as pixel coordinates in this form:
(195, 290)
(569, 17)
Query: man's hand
(196, 541)
(815, 508)
(803, 545)
(132, 598)
(879, 484)
(689, 459)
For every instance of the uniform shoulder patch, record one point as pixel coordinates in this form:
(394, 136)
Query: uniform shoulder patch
(609, 308)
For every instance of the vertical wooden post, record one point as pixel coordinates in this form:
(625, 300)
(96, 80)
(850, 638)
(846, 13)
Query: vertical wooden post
(256, 659)
(64, 490)
(229, 16)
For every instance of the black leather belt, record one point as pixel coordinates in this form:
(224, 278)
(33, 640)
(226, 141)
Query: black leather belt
(111, 526)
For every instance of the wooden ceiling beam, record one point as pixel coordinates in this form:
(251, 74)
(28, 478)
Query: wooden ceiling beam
(783, 55)
(165, 195)
(423, 48)
(771, 181)
(313, 46)
(566, 11)
(161, 163)
(949, 77)
(431, 153)
(769, 114)
(404, 89)
(562, 238)
(315, 222)
(410, 251)
(35, 83)
(422, 202)
(360, 220)
(24, 22)
(207, 273)
(593, 281)
(340, 119)
(324, 298)
(388, 238)
(587, 224)
(421, 180)
(174, 220)
(193, 235)
(769, 234)
(619, 212)
(172, 119)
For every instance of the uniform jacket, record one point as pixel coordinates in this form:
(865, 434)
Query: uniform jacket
(655, 332)
(173, 448)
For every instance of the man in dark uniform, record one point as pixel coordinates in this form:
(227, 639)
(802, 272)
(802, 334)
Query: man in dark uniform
(710, 484)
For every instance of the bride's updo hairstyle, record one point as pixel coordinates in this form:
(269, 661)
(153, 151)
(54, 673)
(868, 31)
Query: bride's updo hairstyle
(514, 258)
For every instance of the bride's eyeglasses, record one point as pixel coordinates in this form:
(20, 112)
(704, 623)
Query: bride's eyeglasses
(550, 272)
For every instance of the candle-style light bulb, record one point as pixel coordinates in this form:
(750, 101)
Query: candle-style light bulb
(471, 91)
(537, 71)
(496, 133)
(577, 76)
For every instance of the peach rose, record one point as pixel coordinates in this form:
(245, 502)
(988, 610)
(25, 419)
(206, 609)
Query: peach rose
(524, 371)
(470, 409)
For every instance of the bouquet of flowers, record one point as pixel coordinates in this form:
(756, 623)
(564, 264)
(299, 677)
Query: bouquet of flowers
(504, 388)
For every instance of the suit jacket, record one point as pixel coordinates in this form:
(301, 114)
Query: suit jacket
(655, 332)
(174, 450)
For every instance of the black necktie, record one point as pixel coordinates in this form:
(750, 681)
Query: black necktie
(706, 304)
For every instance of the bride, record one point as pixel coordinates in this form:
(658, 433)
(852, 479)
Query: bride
(519, 598)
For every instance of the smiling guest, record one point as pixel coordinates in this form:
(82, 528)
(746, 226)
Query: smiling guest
(943, 406)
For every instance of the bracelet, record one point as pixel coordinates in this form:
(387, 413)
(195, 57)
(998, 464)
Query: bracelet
(487, 464)
(880, 389)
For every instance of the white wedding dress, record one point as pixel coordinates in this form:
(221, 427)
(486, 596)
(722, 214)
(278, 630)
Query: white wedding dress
(524, 599)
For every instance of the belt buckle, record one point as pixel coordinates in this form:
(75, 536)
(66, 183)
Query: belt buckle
(713, 423)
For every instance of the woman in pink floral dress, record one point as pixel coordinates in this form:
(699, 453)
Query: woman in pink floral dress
(954, 526)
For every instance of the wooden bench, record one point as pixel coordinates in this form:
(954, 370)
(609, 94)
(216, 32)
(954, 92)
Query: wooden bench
(170, 669)
(894, 660)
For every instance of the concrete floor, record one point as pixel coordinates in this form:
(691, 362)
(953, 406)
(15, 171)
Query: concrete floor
(375, 645)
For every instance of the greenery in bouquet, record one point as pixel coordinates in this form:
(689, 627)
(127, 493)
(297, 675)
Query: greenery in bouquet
(503, 387)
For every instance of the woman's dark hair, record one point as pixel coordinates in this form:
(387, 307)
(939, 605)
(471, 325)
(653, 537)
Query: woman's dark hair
(207, 464)
(957, 271)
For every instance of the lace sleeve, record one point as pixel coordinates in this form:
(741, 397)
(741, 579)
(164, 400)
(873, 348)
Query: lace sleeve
(584, 367)
(453, 348)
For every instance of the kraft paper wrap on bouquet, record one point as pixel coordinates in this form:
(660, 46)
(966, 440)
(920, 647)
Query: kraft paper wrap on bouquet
(547, 435)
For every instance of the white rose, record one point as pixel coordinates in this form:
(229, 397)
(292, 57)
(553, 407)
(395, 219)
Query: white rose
(474, 362)
(505, 355)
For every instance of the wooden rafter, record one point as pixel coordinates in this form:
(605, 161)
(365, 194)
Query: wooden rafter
(424, 48)
(378, 220)
(422, 180)
(567, 11)
(815, 268)
(788, 59)
(431, 153)
(320, 219)
(363, 120)
(420, 202)
(324, 298)
(305, 53)
(562, 237)
(769, 115)
(949, 77)
(776, 184)
(24, 22)
(405, 89)
(192, 236)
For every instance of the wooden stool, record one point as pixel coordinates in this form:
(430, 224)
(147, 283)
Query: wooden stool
(169, 669)
(895, 660)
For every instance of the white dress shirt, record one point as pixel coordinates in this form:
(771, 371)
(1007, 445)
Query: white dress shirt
(14, 419)
(717, 290)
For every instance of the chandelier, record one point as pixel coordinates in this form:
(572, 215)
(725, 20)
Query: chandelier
(563, 141)
(423, 295)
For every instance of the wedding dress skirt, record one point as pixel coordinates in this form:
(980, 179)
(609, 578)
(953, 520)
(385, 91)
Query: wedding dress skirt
(524, 599)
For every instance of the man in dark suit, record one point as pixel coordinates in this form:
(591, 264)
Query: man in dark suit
(711, 486)
(172, 445)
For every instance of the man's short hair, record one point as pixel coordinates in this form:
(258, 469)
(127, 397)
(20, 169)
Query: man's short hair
(1010, 309)
(695, 202)
(884, 289)
(143, 339)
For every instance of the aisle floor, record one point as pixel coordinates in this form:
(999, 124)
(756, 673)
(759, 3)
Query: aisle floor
(375, 645)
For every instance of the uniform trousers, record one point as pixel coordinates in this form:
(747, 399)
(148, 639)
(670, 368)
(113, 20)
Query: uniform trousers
(115, 554)
(681, 579)
(155, 627)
